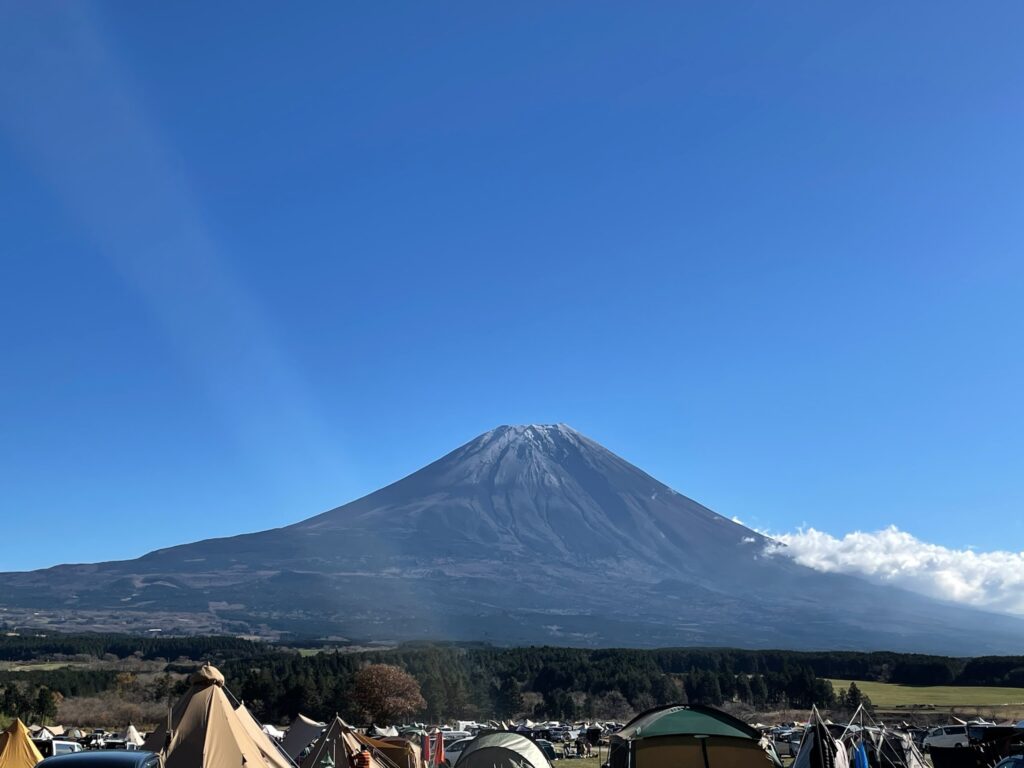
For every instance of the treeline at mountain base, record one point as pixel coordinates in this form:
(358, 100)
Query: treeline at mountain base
(465, 681)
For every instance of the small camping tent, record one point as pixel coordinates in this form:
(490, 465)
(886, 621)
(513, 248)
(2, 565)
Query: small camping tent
(301, 733)
(206, 731)
(335, 748)
(502, 750)
(132, 737)
(697, 736)
(46, 732)
(16, 747)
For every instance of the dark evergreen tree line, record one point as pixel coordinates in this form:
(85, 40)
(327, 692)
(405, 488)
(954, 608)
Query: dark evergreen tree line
(562, 683)
(30, 703)
(34, 647)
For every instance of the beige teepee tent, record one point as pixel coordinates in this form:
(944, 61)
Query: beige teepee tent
(206, 732)
(16, 747)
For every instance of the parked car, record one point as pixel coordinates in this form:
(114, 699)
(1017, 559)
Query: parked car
(1013, 761)
(946, 736)
(51, 747)
(453, 750)
(103, 759)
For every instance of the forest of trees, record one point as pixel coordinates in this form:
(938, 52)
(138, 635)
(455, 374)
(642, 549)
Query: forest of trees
(31, 647)
(560, 683)
(478, 681)
(32, 703)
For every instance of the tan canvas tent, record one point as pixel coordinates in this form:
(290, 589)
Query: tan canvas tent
(206, 731)
(16, 747)
(402, 752)
(271, 752)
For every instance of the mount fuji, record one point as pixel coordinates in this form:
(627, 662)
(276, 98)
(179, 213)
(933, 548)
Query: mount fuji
(526, 534)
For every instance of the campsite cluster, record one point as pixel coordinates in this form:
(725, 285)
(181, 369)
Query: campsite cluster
(209, 728)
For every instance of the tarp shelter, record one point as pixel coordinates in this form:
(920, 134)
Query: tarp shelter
(897, 750)
(401, 752)
(818, 749)
(336, 746)
(688, 737)
(16, 747)
(206, 731)
(502, 750)
(273, 731)
(874, 746)
(301, 733)
(132, 736)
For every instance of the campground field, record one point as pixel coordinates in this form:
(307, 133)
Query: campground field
(1003, 703)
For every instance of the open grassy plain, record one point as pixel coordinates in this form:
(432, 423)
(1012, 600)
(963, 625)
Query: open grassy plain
(996, 703)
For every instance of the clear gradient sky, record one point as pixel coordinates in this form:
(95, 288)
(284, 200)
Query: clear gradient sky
(260, 259)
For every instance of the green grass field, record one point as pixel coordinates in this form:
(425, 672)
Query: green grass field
(28, 666)
(889, 695)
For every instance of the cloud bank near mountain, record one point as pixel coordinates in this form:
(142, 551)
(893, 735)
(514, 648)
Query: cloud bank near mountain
(990, 580)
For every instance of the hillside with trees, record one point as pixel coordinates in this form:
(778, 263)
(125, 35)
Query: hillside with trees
(444, 681)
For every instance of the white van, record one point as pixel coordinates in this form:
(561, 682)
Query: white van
(947, 736)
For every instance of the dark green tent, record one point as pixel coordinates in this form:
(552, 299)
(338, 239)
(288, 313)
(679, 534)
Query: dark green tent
(688, 737)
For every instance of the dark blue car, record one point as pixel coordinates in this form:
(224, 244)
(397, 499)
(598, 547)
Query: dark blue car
(103, 759)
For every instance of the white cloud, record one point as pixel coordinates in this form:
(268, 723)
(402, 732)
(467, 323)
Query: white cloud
(990, 580)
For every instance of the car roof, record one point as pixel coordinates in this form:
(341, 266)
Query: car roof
(100, 759)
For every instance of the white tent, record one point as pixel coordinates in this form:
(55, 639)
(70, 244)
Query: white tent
(132, 736)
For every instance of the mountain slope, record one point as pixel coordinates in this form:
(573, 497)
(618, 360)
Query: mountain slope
(525, 534)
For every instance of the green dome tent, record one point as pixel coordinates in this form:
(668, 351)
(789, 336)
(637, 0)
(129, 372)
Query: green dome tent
(688, 737)
(502, 750)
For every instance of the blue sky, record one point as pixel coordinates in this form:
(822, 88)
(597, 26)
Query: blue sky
(259, 260)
